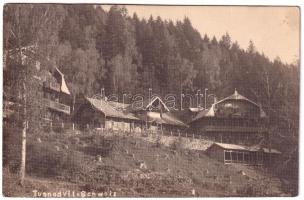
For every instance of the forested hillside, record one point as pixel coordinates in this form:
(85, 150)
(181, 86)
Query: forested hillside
(122, 53)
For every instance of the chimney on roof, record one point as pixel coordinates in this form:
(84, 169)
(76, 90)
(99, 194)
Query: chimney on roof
(215, 99)
(235, 91)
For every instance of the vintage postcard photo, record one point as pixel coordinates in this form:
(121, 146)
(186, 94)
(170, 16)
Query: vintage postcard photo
(150, 100)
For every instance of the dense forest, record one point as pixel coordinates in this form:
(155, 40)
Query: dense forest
(123, 53)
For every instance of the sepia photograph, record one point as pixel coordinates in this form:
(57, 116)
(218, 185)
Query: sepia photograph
(104, 100)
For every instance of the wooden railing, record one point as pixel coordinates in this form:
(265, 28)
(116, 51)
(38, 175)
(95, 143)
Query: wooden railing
(57, 106)
(234, 128)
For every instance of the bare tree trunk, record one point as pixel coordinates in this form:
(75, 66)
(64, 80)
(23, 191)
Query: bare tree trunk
(73, 125)
(23, 147)
(23, 154)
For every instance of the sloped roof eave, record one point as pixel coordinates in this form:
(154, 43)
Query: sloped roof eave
(245, 148)
(63, 87)
(204, 113)
(115, 114)
(237, 97)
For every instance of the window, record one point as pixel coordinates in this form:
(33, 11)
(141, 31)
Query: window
(240, 156)
(234, 156)
(227, 155)
(246, 157)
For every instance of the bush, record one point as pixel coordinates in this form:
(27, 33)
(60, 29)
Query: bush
(46, 161)
(43, 160)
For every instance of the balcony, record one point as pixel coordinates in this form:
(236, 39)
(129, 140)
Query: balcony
(213, 128)
(52, 85)
(57, 106)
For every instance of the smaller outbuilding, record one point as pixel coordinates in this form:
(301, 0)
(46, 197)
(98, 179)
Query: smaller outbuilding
(232, 153)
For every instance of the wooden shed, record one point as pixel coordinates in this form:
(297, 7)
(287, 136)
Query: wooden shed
(232, 153)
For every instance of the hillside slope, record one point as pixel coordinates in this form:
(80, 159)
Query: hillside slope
(132, 166)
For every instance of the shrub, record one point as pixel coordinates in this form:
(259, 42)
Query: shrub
(43, 160)
(46, 161)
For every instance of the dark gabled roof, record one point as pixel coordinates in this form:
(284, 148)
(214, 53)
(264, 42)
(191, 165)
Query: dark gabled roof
(109, 111)
(56, 77)
(210, 112)
(29, 52)
(114, 109)
(237, 96)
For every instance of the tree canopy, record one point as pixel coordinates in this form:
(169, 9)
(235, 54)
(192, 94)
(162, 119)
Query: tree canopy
(125, 54)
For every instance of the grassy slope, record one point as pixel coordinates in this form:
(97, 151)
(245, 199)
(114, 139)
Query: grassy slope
(170, 171)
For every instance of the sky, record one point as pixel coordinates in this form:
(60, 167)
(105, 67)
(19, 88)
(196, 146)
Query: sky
(273, 30)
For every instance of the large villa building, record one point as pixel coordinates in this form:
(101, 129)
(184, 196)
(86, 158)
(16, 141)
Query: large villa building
(234, 119)
(56, 99)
